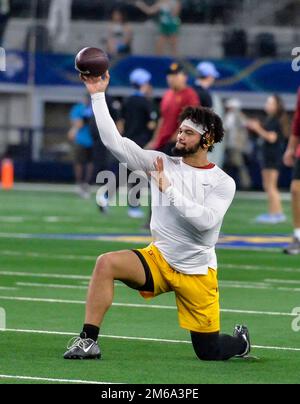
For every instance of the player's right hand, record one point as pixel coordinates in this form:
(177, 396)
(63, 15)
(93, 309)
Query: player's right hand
(96, 85)
(289, 158)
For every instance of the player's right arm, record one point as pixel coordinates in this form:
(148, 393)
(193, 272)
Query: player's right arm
(124, 149)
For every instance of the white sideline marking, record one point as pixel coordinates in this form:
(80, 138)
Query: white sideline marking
(45, 275)
(7, 288)
(143, 306)
(173, 341)
(283, 281)
(223, 284)
(56, 286)
(51, 286)
(260, 268)
(46, 379)
(12, 219)
(35, 254)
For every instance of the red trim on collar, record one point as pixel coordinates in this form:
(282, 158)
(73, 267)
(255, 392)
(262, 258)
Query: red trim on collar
(208, 167)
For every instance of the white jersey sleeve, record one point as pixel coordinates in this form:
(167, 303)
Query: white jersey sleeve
(204, 216)
(124, 149)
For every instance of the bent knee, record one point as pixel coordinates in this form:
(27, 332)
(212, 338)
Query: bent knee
(104, 264)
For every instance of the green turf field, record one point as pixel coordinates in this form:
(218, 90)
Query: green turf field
(43, 286)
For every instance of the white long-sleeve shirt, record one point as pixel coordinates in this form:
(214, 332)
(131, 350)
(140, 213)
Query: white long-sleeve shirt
(187, 218)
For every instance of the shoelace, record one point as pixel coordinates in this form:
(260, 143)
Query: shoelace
(78, 342)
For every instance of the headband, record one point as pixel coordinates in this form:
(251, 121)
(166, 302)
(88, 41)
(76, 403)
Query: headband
(198, 128)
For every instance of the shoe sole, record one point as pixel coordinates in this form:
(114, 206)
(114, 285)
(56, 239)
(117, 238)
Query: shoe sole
(81, 358)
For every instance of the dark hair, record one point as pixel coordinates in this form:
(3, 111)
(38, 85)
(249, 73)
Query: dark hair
(282, 115)
(206, 117)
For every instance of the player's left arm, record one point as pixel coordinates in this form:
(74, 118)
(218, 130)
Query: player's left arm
(202, 217)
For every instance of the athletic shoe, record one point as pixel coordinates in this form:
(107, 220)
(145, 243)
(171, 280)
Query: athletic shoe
(280, 218)
(136, 213)
(82, 348)
(293, 248)
(243, 332)
(103, 203)
(271, 219)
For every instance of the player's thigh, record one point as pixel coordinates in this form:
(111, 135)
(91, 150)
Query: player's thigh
(197, 299)
(124, 266)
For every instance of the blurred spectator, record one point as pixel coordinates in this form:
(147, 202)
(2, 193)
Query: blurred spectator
(139, 117)
(120, 34)
(237, 143)
(272, 132)
(178, 97)
(59, 20)
(80, 134)
(168, 20)
(138, 121)
(4, 15)
(292, 159)
(207, 75)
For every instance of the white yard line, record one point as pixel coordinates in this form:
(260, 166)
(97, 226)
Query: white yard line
(51, 286)
(70, 334)
(283, 281)
(47, 379)
(45, 275)
(260, 268)
(223, 284)
(140, 306)
(56, 286)
(71, 257)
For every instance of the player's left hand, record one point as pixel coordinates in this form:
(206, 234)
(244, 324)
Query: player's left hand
(160, 176)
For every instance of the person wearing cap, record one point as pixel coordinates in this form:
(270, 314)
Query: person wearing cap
(207, 75)
(178, 97)
(139, 119)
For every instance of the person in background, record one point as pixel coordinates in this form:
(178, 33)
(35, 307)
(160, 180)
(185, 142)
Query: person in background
(168, 20)
(120, 34)
(237, 143)
(207, 75)
(59, 21)
(272, 132)
(178, 97)
(140, 129)
(4, 16)
(292, 159)
(80, 134)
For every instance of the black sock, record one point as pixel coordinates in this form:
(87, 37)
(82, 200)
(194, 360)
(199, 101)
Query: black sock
(216, 347)
(90, 332)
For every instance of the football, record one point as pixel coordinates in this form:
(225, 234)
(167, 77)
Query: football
(92, 62)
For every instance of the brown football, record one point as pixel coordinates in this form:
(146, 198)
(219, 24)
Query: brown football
(92, 62)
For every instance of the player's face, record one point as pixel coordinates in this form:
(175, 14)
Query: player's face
(177, 81)
(271, 106)
(188, 142)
